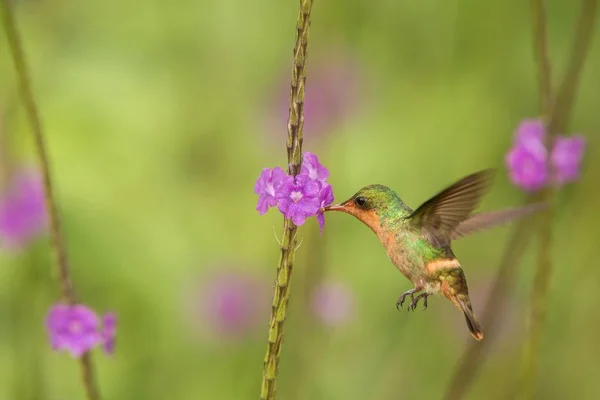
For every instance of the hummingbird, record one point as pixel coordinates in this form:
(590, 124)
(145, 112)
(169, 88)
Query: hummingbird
(418, 242)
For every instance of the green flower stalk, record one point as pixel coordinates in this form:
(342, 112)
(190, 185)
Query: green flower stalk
(288, 244)
(555, 111)
(67, 291)
(540, 40)
(557, 114)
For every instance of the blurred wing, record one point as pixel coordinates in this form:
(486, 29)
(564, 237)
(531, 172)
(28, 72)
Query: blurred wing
(439, 216)
(487, 220)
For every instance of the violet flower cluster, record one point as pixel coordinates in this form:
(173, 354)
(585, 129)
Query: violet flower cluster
(77, 329)
(332, 303)
(297, 198)
(228, 303)
(331, 95)
(527, 160)
(22, 210)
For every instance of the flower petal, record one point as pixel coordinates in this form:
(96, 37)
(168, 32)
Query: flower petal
(284, 205)
(277, 176)
(109, 332)
(262, 206)
(566, 158)
(526, 169)
(312, 167)
(298, 218)
(321, 221)
(326, 195)
(312, 189)
(309, 206)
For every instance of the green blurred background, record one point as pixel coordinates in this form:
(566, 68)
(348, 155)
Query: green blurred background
(159, 117)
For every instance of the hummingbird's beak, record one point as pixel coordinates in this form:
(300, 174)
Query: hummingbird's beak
(334, 207)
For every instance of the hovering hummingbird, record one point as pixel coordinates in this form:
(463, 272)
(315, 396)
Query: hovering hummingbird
(419, 242)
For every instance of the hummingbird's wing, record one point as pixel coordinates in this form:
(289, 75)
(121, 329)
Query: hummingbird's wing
(487, 220)
(439, 216)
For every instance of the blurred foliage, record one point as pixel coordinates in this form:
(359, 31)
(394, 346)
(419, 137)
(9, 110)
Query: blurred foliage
(155, 114)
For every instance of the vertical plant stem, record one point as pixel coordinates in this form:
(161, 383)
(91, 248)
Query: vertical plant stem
(67, 291)
(474, 356)
(7, 107)
(542, 275)
(288, 245)
(4, 154)
(314, 269)
(540, 42)
(558, 114)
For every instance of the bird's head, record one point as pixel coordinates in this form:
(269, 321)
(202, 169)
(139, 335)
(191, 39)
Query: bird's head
(371, 205)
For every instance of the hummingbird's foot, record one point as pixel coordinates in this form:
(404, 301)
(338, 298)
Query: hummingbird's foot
(415, 302)
(402, 297)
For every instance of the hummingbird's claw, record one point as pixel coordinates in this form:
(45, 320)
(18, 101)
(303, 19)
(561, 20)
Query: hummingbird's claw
(415, 302)
(402, 298)
(399, 303)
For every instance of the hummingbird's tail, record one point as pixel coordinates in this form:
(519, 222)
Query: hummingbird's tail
(472, 323)
(453, 285)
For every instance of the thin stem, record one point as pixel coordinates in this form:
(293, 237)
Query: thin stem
(542, 276)
(540, 40)
(559, 115)
(4, 161)
(579, 51)
(288, 246)
(476, 352)
(7, 107)
(314, 269)
(67, 291)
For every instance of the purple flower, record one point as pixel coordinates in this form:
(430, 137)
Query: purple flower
(331, 95)
(299, 198)
(73, 328)
(266, 187)
(526, 161)
(530, 134)
(232, 302)
(332, 303)
(109, 332)
(566, 157)
(526, 170)
(314, 169)
(326, 198)
(22, 210)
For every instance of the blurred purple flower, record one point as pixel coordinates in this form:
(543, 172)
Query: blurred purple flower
(566, 157)
(109, 332)
(313, 168)
(299, 198)
(527, 171)
(266, 188)
(526, 161)
(22, 210)
(530, 134)
(333, 303)
(232, 302)
(326, 198)
(73, 329)
(331, 94)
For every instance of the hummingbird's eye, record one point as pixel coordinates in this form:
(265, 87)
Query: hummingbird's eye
(360, 201)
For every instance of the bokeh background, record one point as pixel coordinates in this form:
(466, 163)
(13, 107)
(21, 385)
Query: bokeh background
(159, 118)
